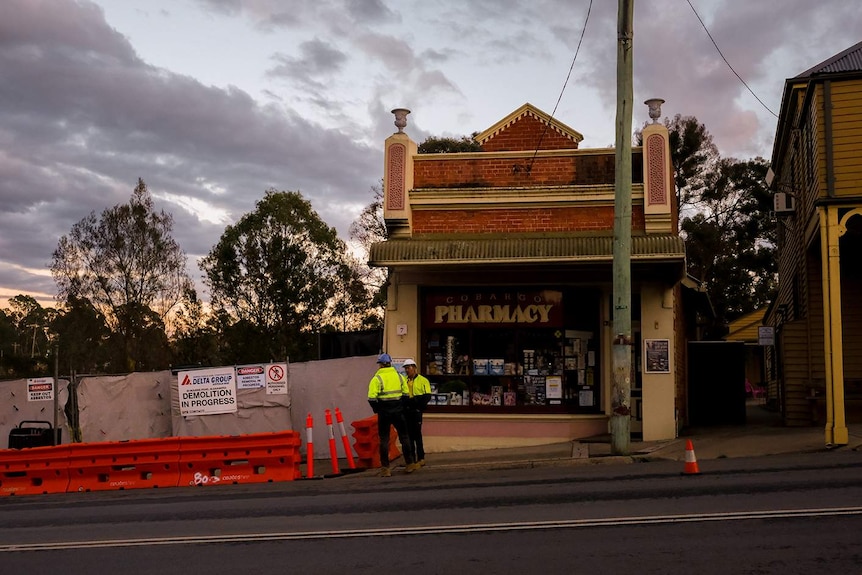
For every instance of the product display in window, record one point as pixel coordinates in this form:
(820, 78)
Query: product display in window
(512, 350)
(468, 373)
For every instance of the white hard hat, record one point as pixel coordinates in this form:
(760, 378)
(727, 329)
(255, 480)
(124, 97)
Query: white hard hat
(408, 362)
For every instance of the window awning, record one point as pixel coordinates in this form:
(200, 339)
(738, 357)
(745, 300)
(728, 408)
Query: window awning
(491, 251)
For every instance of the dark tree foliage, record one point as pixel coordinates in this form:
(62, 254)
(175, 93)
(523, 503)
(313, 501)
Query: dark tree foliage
(725, 220)
(141, 335)
(126, 264)
(730, 241)
(693, 155)
(8, 344)
(196, 338)
(278, 272)
(370, 227)
(27, 345)
(366, 230)
(82, 336)
(353, 309)
(32, 323)
(20, 353)
(433, 145)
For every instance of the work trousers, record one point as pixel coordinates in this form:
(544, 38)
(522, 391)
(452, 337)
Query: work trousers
(391, 413)
(414, 430)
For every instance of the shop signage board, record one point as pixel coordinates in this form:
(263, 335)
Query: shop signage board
(207, 391)
(539, 308)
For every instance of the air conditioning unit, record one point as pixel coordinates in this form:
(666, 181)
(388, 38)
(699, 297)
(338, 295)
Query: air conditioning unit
(784, 203)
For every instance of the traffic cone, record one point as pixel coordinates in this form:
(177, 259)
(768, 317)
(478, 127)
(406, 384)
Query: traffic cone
(690, 460)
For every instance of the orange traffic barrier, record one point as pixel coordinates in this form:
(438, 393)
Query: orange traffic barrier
(253, 458)
(347, 450)
(364, 432)
(34, 470)
(309, 447)
(367, 442)
(690, 460)
(333, 453)
(136, 464)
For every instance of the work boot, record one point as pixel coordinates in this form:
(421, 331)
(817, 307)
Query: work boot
(385, 472)
(411, 467)
(421, 463)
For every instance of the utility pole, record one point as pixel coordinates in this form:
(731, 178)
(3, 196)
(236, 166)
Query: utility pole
(622, 270)
(56, 392)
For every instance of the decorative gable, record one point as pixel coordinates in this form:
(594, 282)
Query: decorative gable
(528, 128)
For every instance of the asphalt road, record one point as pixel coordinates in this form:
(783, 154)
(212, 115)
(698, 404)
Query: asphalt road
(800, 514)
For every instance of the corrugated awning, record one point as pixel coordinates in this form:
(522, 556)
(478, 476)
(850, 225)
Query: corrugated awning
(421, 252)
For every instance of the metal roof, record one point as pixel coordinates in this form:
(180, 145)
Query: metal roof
(850, 60)
(745, 328)
(571, 249)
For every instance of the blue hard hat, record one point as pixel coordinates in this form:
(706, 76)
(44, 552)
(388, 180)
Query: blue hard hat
(384, 358)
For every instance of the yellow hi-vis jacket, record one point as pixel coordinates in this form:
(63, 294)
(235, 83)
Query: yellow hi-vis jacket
(386, 385)
(420, 392)
(419, 386)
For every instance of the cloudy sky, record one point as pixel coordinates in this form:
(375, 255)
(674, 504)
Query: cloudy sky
(212, 102)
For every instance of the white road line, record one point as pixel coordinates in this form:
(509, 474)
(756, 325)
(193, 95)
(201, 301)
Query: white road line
(436, 529)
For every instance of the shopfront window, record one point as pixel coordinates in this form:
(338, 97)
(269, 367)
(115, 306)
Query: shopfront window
(512, 350)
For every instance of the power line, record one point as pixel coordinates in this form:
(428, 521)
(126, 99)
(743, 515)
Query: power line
(728, 63)
(569, 75)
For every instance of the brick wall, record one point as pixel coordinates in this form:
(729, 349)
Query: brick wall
(528, 133)
(514, 220)
(448, 172)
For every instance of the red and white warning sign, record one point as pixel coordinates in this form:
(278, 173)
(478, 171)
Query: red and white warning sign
(276, 379)
(250, 376)
(40, 389)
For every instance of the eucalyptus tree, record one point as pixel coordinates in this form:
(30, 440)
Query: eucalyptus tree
(693, 156)
(730, 239)
(370, 228)
(725, 219)
(278, 272)
(83, 337)
(127, 265)
(25, 337)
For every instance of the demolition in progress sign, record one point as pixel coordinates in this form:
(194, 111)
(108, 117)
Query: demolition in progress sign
(207, 391)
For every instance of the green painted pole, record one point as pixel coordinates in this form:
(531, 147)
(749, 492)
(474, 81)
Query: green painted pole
(56, 394)
(622, 269)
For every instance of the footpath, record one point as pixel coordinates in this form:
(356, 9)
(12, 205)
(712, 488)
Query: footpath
(763, 434)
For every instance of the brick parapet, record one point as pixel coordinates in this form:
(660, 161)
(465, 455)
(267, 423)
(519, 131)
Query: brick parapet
(519, 220)
(513, 170)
